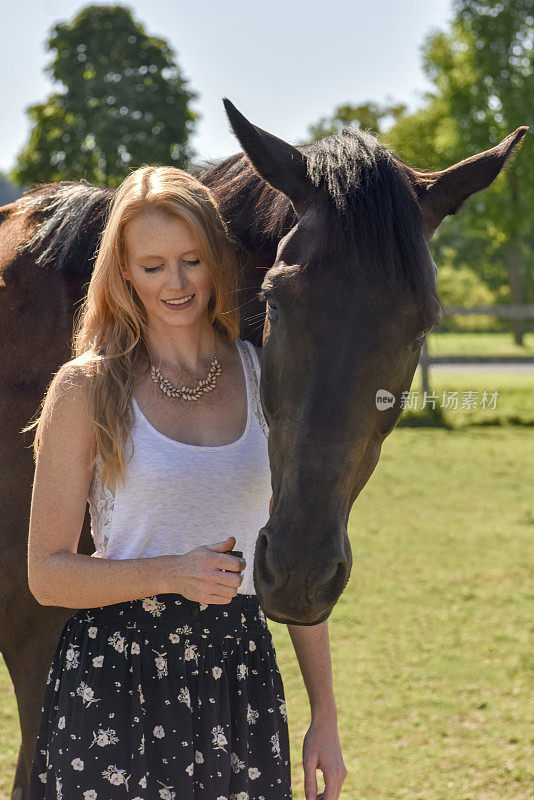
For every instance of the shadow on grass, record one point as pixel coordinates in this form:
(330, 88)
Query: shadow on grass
(513, 419)
(425, 418)
(435, 418)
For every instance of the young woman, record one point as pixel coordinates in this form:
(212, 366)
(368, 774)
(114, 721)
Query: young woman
(164, 683)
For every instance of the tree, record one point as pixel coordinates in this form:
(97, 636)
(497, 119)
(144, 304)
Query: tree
(482, 78)
(368, 116)
(123, 102)
(483, 86)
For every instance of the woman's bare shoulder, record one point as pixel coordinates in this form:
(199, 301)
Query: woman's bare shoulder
(69, 389)
(74, 376)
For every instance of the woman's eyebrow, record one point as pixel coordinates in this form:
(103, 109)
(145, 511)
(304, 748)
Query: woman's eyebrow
(145, 257)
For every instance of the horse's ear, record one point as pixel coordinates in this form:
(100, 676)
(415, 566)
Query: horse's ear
(442, 193)
(278, 162)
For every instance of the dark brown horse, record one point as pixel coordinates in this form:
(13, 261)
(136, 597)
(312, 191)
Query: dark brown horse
(350, 297)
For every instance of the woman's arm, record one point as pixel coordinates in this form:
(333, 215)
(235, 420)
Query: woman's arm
(57, 574)
(312, 646)
(321, 747)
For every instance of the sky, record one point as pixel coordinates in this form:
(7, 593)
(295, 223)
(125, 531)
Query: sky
(284, 64)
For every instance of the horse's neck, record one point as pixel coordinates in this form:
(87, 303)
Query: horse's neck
(258, 253)
(239, 192)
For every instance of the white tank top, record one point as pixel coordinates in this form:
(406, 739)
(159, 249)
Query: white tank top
(178, 496)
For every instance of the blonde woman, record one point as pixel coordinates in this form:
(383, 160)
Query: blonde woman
(164, 683)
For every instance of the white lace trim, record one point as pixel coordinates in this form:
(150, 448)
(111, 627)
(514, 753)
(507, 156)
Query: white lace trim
(101, 500)
(255, 391)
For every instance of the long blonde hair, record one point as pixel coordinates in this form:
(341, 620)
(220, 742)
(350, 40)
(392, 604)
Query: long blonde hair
(111, 325)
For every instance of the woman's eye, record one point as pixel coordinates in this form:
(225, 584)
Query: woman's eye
(188, 263)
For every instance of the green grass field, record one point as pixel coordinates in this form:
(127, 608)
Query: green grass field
(432, 638)
(479, 344)
(514, 403)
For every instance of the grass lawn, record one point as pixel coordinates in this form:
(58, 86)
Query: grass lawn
(432, 638)
(9, 733)
(479, 344)
(513, 401)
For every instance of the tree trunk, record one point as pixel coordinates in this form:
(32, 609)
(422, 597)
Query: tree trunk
(513, 260)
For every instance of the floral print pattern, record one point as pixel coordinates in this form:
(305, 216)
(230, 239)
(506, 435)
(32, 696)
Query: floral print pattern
(163, 698)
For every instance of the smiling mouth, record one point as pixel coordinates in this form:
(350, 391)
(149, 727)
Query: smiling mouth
(179, 302)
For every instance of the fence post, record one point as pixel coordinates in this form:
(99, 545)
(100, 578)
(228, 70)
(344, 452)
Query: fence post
(424, 361)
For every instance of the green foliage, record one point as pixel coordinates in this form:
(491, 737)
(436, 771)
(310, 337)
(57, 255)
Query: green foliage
(123, 102)
(459, 285)
(483, 84)
(368, 116)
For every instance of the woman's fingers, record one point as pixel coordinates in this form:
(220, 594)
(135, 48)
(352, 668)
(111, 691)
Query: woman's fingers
(220, 599)
(226, 591)
(229, 563)
(221, 547)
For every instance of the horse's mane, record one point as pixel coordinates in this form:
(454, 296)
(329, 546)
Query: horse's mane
(72, 214)
(259, 215)
(370, 213)
(71, 219)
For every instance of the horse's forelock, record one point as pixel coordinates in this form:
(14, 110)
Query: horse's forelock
(372, 213)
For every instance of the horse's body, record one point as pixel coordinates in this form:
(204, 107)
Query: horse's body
(332, 340)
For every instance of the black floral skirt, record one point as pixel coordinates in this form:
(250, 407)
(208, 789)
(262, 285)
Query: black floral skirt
(164, 698)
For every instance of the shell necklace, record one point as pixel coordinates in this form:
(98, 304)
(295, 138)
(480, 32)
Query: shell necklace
(190, 392)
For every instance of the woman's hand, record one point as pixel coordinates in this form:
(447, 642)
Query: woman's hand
(321, 750)
(199, 576)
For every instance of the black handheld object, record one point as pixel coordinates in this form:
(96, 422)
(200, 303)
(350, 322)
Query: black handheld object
(237, 553)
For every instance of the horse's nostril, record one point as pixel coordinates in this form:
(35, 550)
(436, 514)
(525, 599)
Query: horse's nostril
(334, 575)
(265, 557)
(263, 540)
(270, 562)
(327, 577)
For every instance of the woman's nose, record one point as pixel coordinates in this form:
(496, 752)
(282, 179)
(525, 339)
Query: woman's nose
(177, 276)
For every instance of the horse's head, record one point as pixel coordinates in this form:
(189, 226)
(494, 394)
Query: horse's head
(350, 298)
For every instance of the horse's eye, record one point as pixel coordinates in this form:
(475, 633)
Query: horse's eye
(272, 309)
(419, 340)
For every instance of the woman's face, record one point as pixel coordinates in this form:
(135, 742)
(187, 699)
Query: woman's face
(164, 266)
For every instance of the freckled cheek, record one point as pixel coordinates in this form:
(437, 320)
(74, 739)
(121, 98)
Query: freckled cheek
(204, 286)
(147, 290)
